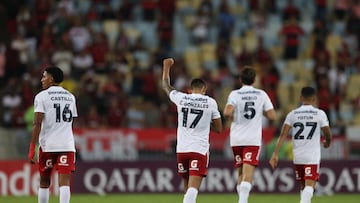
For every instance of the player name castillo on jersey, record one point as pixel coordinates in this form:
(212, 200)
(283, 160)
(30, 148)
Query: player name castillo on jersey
(67, 96)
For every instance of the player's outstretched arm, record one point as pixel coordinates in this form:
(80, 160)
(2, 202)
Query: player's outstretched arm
(275, 156)
(167, 63)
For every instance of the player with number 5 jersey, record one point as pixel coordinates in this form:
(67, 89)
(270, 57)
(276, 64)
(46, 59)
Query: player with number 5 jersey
(197, 114)
(55, 109)
(245, 108)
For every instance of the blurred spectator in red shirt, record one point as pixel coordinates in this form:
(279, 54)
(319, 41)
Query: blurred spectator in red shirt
(290, 11)
(324, 95)
(42, 9)
(98, 50)
(321, 57)
(292, 31)
(165, 32)
(149, 9)
(46, 41)
(167, 8)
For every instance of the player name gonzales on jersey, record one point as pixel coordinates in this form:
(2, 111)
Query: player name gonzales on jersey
(194, 102)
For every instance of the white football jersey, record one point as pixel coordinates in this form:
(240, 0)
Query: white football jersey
(59, 108)
(195, 113)
(306, 123)
(249, 104)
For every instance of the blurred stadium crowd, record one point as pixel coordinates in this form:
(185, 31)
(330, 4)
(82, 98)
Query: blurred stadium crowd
(111, 52)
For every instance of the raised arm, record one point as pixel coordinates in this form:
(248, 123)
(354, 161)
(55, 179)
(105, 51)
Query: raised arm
(167, 63)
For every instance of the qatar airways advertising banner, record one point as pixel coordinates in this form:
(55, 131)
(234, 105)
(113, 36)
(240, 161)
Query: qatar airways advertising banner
(21, 178)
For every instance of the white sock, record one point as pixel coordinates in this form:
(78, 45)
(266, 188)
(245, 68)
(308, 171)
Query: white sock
(245, 188)
(190, 195)
(238, 189)
(307, 194)
(43, 195)
(64, 194)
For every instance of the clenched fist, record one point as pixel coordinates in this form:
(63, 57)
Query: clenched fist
(168, 62)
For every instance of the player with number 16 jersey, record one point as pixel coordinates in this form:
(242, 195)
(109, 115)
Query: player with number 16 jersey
(54, 111)
(59, 108)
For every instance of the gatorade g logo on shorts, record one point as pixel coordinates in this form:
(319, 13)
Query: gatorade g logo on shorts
(238, 159)
(248, 156)
(194, 165)
(181, 168)
(63, 159)
(307, 171)
(48, 163)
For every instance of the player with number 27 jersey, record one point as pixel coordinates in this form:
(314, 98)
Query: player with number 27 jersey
(249, 104)
(306, 122)
(196, 111)
(59, 106)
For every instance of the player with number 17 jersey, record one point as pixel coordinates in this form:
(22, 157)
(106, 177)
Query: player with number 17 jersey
(196, 111)
(59, 108)
(306, 122)
(249, 104)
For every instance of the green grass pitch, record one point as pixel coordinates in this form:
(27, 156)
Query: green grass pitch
(202, 198)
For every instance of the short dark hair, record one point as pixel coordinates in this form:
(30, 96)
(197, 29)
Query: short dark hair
(56, 73)
(247, 75)
(197, 83)
(308, 92)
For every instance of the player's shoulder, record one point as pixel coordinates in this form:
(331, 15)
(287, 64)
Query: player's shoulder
(211, 99)
(42, 93)
(175, 92)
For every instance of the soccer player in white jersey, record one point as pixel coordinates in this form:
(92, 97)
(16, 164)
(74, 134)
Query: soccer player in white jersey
(245, 108)
(306, 123)
(197, 115)
(55, 108)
